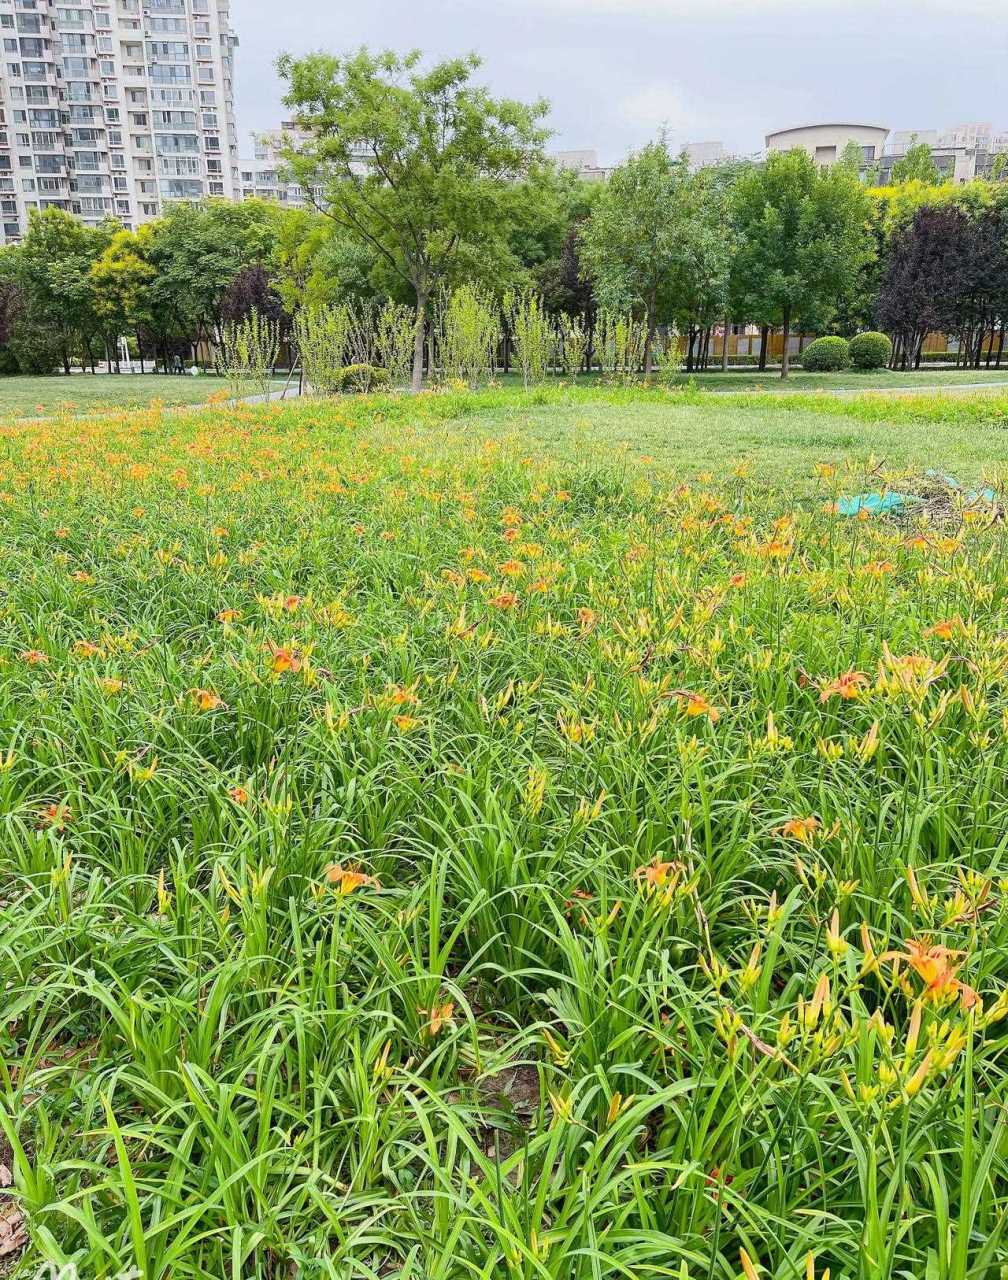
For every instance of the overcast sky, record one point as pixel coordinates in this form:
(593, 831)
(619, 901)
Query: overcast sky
(616, 71)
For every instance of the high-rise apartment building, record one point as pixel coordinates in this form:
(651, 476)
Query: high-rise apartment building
(111, 108)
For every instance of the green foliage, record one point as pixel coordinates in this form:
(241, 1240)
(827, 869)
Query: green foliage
(437, 198)
(573, 344)
(322, 336)
(870, 350)
(468, 332)
(622, 342)
(651, 240)
(357, 378)
(121, 278)
(826, 355)
(34, 346)
(250, 349)
(533, 335)
(917, 165)
(395, 327)
(804, 240)
(668, 360)
(852, 157)
(315, 262)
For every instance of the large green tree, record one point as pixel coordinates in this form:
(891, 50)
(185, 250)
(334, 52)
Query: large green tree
(917, 165)
(196, 251)
(314, 262)
(53, 270)
(803, 240)
(641, 234)
(421, 165)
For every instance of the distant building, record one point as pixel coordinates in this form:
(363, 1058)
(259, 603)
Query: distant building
(960, 152)
(702, 154)
(584, 163)
(266, 175)
(825, 143)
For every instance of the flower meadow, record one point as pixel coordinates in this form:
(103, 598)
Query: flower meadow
(425, 859)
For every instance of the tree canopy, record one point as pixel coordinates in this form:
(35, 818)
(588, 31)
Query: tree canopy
(803, 240)
(419, 164)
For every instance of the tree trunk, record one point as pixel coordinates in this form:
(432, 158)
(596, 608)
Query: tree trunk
(785, 359)
(724, 346)
(764, 336)
(1001, 344)
(420, 333)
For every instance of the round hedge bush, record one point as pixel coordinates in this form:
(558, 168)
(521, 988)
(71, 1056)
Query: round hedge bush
(826, 355)
(357, 378)
(870, 351)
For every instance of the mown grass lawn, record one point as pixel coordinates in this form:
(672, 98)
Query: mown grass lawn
(678, 433)
(86, 393)
(440, 842)
(750, 379)
(849, 380)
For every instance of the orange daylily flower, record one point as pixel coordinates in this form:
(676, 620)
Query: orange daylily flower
(801, 829)
(55, 816)
(283, 661)
(847, 686)
(440, 1017)
(207, 700)
(660, 878)
(346, 880)
(695, 704)
(946, 629)
(936, 966)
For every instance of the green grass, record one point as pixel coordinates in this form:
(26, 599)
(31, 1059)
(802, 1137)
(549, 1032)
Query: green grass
(781, 441)
(850, 380)
(750, 378)
(85, 393)
(440, 844)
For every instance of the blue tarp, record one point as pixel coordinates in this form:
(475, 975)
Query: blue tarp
(876, 504)
(880, 504)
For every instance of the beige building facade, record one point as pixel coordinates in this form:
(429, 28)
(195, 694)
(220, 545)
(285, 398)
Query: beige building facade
(825, 143)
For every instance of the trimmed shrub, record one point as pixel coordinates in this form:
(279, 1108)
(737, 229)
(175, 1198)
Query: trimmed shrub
(362, 377)
(826, 355)
(870, 351)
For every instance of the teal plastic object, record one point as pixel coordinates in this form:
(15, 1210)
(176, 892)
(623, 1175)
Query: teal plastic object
(880, 504)
(876, 504)
(974, 495)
